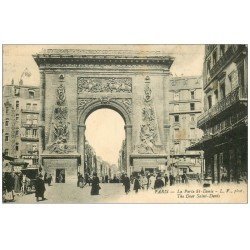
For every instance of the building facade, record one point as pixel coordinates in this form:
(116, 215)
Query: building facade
(90, 164)
(21, 107)
(185, 104)
(224, 120)
(122, 165)
(75, 83)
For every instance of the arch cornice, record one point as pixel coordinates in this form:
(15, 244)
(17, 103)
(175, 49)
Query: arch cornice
(86, 106)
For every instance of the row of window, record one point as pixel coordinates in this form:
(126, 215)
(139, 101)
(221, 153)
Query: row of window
(30, 107)
(220, 93)
(30, 119)
(191, 107)
(211, 61)
(31, 94)
(178, 136)
(177, 118)
(34, 148)
(29, 133)
(177, 95)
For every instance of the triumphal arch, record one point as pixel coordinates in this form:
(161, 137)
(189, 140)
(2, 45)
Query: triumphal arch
(74, 83)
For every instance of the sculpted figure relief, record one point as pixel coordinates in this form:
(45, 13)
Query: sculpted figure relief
(104, 84)
(60, 130)
(125, 102)
(148, 129)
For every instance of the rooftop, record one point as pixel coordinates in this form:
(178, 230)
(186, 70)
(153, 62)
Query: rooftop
(125, 53)
(86, 56)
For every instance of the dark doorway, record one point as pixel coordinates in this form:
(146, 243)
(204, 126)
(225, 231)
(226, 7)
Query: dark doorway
(60, 175)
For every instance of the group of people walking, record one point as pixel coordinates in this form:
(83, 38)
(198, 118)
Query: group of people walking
(150, 181)
(17, 183)
(144, 182)
(14, 184)
(92, 181)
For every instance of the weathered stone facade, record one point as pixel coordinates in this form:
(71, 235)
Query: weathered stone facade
(20, 122)
(132, 83)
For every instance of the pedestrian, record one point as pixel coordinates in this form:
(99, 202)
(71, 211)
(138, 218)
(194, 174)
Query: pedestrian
(152, 181)
(166, 179)
(24, 185)
(106, 178)
(81, 181)
(40, 187)
(144, 182)
(78, 179)
(158, 182)
(9, 184)
(61, 177)
(185, 178)
(49, 179)
(136, 184)
(126, 183)
(171, 179)
(95, 185)
(87, 179)
(45, 177)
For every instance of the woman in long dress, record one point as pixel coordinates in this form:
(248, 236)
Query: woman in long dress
(137, 185)
(95, 185)
(152, 181)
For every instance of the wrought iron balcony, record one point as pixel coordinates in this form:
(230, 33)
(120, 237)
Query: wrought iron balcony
(29, 152)
(229, 55)
(27, 125)
(29, 137)
(232, 98)
(31, 110)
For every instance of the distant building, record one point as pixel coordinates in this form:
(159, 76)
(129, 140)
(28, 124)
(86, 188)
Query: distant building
(21, 107)
(185, 101)
(90, 164)
(224, 120)
(94, 163)
(122, 158)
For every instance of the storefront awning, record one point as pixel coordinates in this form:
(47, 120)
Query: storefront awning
(19, 162)
(8, 158)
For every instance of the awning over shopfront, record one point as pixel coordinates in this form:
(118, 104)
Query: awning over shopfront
(19, 162)
(8, 158)
(200, 144)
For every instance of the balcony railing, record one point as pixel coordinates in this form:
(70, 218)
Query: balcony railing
(27, 125)
(31, 110)
(233, 97)
(29, 152)
(29, 137)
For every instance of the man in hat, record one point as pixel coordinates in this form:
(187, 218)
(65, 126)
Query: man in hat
(158, 182)
(40, 187)
(126, 183)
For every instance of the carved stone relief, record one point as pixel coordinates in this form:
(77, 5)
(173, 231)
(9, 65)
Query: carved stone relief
(126, 103)
(149, 134)
(104, 84)
(59, 127)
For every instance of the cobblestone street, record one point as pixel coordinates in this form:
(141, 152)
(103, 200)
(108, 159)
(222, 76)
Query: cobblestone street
(114, 193)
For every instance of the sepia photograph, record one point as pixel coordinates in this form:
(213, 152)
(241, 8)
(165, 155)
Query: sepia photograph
(86, 124)
(124, 125)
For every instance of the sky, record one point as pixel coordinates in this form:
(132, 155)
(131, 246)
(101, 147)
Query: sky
(105, 132)
(188, 62)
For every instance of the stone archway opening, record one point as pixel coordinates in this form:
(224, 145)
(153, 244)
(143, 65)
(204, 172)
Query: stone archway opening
(105, 142)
